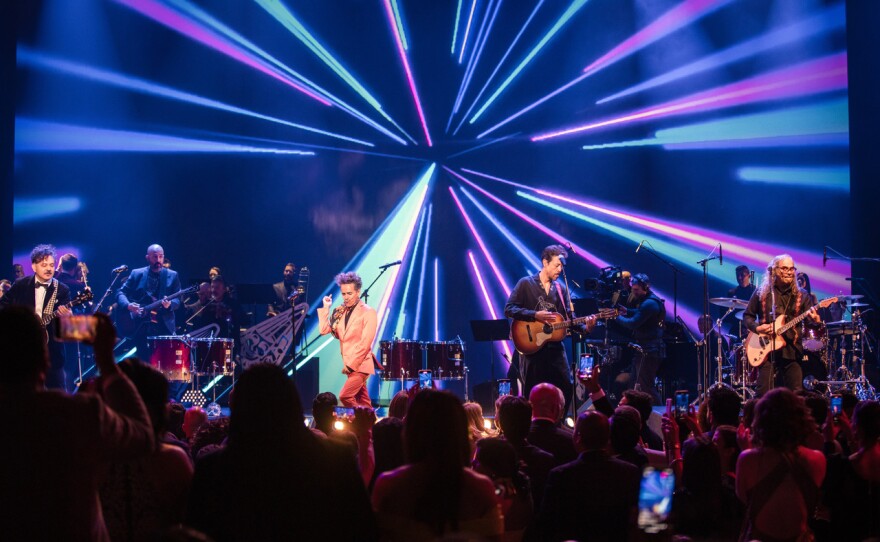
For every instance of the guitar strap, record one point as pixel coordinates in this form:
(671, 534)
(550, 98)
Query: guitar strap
(49, 307)
(561, 299)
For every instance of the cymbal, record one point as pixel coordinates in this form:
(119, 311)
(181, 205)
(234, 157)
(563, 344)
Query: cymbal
(849, 297)
(739, 315)
(858, 305)
(729, 302)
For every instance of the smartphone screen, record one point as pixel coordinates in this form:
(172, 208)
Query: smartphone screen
(585, 365)
(655, 500)
(76, 328)
(343, 412)
(503, 387)
(425, 380)
(682, 399)
(836, 405)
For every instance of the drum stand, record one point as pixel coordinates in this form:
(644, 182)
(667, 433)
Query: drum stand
(213, 410)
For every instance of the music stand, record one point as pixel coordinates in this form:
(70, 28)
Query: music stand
(491, 331)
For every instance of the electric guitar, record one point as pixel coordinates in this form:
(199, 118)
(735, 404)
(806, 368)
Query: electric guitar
(128, 323)
(529, 337)
(83, 297)
(759, 345)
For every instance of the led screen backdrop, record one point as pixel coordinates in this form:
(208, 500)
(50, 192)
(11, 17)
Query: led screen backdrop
(460, 137)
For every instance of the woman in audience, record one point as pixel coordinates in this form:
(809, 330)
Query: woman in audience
(143, 497)
(779, 478)
(476, 424)
(435, 493)
(275, 480)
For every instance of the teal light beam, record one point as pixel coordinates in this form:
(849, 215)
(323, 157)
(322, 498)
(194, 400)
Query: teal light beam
(825, 178)
(566, 16)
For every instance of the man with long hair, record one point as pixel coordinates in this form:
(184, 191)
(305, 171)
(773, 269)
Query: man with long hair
(779, 295)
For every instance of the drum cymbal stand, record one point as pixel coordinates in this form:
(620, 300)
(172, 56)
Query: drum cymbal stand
(705, 326)
(863, 389)
(213, 409)
(719, 358)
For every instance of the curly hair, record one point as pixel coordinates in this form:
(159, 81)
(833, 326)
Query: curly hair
(41, 252)
(782, 421)
(349, 277)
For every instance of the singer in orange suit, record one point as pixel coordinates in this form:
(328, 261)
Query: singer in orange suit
(354, 324)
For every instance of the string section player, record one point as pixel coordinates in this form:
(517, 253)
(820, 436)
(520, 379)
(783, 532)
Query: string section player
(779, 295)
(542, 298)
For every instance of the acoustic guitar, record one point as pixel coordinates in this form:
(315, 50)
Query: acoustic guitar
(529, 337)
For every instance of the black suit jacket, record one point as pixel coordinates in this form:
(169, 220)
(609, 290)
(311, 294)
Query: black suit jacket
(547, 436)
(135, 291)
(595, 497)
(22, 293)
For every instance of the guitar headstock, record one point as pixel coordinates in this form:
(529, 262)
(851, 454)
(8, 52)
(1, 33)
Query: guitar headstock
(608, 314)
(826, 302)
(83, 297)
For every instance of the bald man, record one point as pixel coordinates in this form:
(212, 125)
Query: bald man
(146, 285)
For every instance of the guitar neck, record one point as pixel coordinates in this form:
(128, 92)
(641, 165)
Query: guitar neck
(796, 320)
(574, 322)
(157, 304)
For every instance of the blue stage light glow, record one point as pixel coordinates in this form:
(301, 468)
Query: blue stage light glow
(31, 209)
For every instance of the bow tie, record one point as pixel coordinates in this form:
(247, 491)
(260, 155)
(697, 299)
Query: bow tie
(41, 285)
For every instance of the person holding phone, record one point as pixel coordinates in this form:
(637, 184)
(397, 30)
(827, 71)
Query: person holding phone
(354, 324)
(44, 294)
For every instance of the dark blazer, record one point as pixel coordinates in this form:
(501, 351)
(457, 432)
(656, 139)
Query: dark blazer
(135, 291)
(595, 497)
(22, 293)
(558, 441)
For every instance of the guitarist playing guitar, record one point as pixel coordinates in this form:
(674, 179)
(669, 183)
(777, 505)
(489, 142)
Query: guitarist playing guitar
(45, 295)
(790, 301)
(542, 298)
(146, 286)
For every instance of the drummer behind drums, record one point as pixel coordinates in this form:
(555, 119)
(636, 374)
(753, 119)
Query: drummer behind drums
(814, 336)
(354, 324)
(779, 285)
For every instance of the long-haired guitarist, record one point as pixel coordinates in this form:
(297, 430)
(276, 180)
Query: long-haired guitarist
(790, 301)
(542, 298)
(144, 286)
(45, 295)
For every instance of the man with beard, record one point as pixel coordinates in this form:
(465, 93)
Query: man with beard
(283, 291)
(645, 321)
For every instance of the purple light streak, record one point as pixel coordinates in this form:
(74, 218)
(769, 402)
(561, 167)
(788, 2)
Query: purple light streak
(683, 14)
(486, 299)
(171, 19)
(828, 279)
(812, 77)
(409, 77)
(683, 311)
(483, 248)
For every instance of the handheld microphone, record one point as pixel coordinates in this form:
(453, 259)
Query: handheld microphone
(638, 248)
(824, 255)
(392, 264)
(121, 269)
(720, 254)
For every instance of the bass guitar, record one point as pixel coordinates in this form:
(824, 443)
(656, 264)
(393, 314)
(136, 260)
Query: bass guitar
(529, 337)
(128, 323)
(759, 345)
(83, 297)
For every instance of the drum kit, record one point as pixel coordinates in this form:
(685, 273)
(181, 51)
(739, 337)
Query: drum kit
(182, 357)
(837, 348)
(402, 359)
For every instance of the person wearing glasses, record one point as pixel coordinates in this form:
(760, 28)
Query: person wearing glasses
(779, 295)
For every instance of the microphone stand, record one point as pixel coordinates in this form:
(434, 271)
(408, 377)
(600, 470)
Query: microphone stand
(107, 292)
(365, 295)
(569, 310)
(675, 273)
(705, 326)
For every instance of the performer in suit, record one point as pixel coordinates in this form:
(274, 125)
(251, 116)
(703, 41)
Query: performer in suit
(144, 286)
(44, 295)
(283, 291)
(354, 324)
